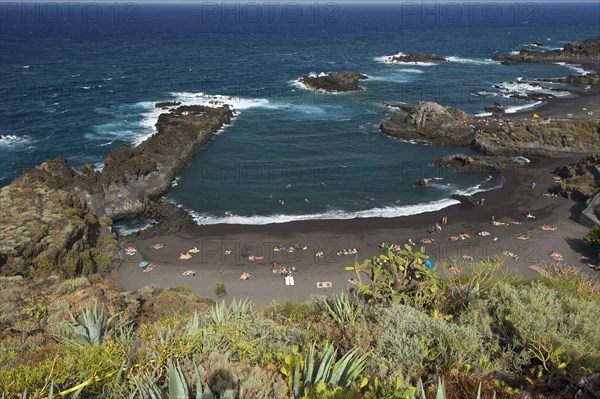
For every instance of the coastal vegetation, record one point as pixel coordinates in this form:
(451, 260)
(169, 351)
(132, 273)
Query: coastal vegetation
(401, 332)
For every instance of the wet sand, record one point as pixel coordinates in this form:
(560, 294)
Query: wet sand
(225, 249)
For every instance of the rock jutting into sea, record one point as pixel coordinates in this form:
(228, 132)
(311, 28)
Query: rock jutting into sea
(433, 123)
(585, 51)
(333, 82)
(57, 219)
(464, 163)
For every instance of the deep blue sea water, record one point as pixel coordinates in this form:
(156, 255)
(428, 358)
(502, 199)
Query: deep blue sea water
(81, 80)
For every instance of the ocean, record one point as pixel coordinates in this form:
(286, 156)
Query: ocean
(81, 79)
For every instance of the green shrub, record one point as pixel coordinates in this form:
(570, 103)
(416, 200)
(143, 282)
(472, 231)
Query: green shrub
(293, 312)
(593, 239)
(556, 330)
(220, 290)
(412, 342)
(72, 285)
(70, 213)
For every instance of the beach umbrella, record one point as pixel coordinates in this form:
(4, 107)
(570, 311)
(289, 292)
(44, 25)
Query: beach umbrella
(143, 264)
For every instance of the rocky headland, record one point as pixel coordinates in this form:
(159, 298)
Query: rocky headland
(334, 82)
(56, 218)
(581, 52)
(433, 123)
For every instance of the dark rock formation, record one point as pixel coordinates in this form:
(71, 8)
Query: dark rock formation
(430, 122)
(539, 44)
(495, 109)
(421, 183)
(132, 176)
(167, 104)
(467, 200)
(586, 51)
(433, 123)
(334, 81)
(581, 179)
(538, 138)
(587, 79)
(416, 57)
(463, 163)
(45, 226)
(54, 218)
(168, 218)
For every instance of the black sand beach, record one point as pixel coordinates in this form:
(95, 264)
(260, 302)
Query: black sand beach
(214, 263)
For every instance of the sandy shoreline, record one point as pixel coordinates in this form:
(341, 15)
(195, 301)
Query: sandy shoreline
(225, 249)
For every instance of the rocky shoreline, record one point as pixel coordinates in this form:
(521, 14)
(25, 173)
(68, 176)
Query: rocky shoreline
(436, 124)
(55, 218)
(334, 82)
(582, 52)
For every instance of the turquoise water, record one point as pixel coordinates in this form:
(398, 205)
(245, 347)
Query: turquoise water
(80, 86)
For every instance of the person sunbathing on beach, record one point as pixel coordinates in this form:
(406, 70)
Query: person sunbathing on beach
(528, 215)
(185, 256)
(556, 256)
(484, 233)
(189, 273)
(193, 250)
(149, 268)
(245, 276)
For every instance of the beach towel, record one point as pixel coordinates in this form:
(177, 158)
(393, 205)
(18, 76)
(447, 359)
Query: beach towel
(324, 284)
(157, 246)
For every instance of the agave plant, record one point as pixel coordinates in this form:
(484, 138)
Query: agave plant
(178, 387)
(326, 370)
(221, 313)
(441, 391)
(94, 329)
(342, 309)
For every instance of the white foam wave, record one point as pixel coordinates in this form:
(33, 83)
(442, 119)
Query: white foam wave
(379, 212)
(124, 230)
(411, 70)
(524, 89)
(575, 67)
(208, 100)
(475, 61)
(11, 140)
(187, 98)
(86, 87)
(25, 66)
(514, 53)
(298, 83)
(484, 93)
(389, 59)
(484, 114)
(518, 108)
